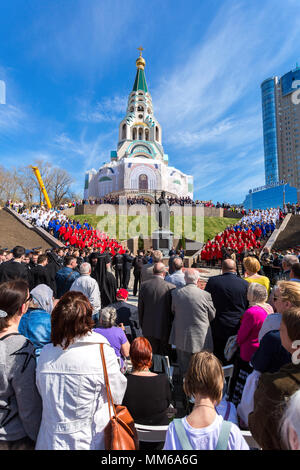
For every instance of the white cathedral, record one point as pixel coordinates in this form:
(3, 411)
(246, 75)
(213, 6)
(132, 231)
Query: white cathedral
(139, 167)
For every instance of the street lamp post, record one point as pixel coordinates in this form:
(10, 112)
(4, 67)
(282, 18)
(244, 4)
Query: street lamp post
(283, 194)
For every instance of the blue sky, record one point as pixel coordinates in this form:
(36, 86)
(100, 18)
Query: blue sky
(69, 66)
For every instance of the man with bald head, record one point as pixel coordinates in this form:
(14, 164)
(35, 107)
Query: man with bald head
(154, 305)
(229, 296)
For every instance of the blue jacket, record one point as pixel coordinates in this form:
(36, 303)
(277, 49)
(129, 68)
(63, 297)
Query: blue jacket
(35, 325)
(64, 279)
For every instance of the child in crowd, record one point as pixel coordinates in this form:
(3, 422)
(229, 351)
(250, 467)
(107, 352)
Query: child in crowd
(203, 428)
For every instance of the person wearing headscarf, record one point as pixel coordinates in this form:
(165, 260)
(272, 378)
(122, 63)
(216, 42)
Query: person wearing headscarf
(106, 281)
(35, 324)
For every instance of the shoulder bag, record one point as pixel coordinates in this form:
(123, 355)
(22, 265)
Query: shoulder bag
(120, 432)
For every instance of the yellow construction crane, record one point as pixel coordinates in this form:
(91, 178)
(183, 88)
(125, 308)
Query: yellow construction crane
(37, 173)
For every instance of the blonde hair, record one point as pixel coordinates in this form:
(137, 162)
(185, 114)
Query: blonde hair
(205, 376)
(251, 264)
(289, 292)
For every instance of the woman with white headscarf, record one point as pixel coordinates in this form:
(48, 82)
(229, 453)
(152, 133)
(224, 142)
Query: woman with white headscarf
(36, 323)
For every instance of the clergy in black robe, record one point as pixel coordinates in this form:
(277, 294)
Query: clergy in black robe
(106, 281)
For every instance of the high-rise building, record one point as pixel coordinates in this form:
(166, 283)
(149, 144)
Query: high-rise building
(281, 128)
(139, 165)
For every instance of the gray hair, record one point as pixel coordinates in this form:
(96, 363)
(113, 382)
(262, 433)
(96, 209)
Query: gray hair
(257, 293)
(289, 260)
(291, 419)
(108, 316)
(191, 276)
(85, 268)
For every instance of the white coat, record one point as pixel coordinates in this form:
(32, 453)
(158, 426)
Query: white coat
(72, 386)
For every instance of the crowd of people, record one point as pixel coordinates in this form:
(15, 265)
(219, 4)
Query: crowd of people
(57, 307)
(248, 234)
(131, 200)
(71, 232)
(171, 201)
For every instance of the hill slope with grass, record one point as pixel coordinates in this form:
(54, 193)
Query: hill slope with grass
(125, 228)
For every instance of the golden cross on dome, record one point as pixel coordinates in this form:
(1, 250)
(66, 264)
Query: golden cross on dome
(141, 50)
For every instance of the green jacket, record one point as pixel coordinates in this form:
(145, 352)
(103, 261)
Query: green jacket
(273, 390)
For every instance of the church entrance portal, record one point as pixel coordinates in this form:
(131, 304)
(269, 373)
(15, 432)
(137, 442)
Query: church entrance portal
(143, 181)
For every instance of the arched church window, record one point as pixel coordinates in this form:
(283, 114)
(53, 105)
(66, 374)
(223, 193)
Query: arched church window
(149, 111)
(140, 134)
(156, 134)
(131, 109)
(134, 133)
(146, 134)
(143, 181)
(140, 108)
(140, 93)
(124, 132)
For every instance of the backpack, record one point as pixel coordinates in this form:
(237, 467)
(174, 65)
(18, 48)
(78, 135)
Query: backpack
(185, 442)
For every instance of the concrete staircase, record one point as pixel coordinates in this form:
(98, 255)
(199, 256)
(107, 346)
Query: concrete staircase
(14, 230)
(289, 236)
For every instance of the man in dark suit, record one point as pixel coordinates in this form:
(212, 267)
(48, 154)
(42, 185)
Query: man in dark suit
(155, 313)
(117, 263)
(127, 265)
(127, 315)
(138, 263)
(229, 296)
(15, 268)
(40, 272)
(55, 263)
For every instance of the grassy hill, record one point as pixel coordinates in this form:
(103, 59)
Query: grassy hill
(125, 227)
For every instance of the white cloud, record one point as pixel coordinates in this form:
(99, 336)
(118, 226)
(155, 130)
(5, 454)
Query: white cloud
(209, 104)
(106, 110)
(221, 72)
(93, 152)
(12, 118)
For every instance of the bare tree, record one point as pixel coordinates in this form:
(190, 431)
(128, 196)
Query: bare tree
(27, 185)
(22, 183)
(60, 186)
(9, 184)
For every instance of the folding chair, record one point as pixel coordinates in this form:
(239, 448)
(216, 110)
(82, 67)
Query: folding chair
(250, 440)
(228, 371)
(151, 433)
(169, 369)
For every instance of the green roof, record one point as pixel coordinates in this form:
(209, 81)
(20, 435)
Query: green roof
(104, 178)
(140, 81)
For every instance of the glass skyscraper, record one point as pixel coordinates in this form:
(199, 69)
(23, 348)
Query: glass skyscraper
(268, 95)
(281, 128)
